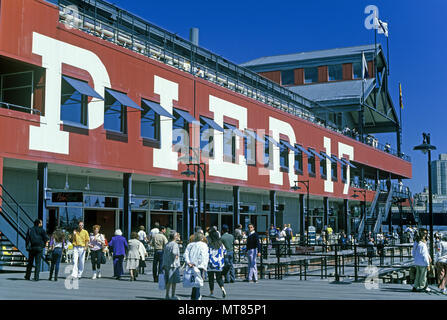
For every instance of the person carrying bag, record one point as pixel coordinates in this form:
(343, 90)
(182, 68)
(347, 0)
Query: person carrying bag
(196, 258)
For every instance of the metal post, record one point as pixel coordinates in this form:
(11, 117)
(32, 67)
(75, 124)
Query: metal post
(186, 208)
(302, 220)
(199, 216)
(355, 262)
(430, 202)
(336, 264)
(42, 177)
(273, 207)
(127, 206)
(204, 196)
(236, 211)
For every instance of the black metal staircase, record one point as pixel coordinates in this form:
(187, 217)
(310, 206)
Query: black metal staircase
(14, 224)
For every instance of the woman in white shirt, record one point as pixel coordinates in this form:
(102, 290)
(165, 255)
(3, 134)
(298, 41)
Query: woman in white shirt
(97, 241)
(422, 262)
(196, 256)
(57, 245)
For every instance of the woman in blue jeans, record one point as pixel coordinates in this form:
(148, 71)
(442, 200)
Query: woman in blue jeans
(57, 245)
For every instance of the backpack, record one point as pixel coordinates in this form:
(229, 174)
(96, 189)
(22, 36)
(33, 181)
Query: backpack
(272, 233)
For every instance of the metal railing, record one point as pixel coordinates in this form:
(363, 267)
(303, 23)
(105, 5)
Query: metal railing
(15, 107)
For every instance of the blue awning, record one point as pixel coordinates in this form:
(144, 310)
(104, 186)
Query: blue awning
(235, 130)
(212, 124)
(327, 157)
(82, 87)
(275, 143)
(316, 154)
(338, 160)
(303, 150)
(123, 99)
(185, 115)
(289, 146)
(253, 135)
(348, 163)
(157, 108)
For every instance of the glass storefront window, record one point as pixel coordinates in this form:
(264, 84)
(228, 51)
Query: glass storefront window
(69, 217)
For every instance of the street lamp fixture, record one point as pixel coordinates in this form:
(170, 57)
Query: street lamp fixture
(302, 222)
(426, 147)
(201, 167)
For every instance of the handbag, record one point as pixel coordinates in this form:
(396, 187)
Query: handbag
(161, 281)
(103, 259)
(192, 278)
(48, 255)
(432, 272)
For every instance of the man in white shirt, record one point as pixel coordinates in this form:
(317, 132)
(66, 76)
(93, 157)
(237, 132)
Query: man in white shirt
(155, 230)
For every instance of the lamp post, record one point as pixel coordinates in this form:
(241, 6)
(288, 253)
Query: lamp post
(302, 226)
(201, 167)
(426, 147)
(363, 192)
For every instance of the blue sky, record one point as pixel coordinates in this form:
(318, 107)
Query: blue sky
(244, 30)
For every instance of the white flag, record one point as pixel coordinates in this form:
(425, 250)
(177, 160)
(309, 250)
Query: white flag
(365, 73)
(383, 28)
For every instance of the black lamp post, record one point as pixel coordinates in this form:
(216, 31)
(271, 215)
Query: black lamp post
(363, 192)
(201, 167)
(426, 147)
(302, 226)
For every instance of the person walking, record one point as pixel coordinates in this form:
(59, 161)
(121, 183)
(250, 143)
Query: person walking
(253, 251)
(97, 241)
(80, 241)
(133, 255)
(370, 252)
(217, 253)
(154, 230)
(422, 262)
(228, 242)
(441, 264)
(197, 256)
(273, 234)
(119, 246)
(171, 265)
(288, 236)
(238, 232)
(36, 239)
(57, 245)
(158, 242)
(142, 236)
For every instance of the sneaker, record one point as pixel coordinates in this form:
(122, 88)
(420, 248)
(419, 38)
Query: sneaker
(444, 291)
(224, 293)
(94, 276)
(200, 298)
(426, 290)
(99, 274)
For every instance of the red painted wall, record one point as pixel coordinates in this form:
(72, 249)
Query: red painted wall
(133, 73)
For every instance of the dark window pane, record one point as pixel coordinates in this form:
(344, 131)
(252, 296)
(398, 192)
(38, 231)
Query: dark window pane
(114, 115)
(311, 164)
(283, 156)
(250, 149)
(287, 77)
(150, 123)
(311, 75)
(357, 70)
(335, 72)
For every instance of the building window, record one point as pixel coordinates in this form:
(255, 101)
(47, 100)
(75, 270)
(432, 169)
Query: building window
(287, 77)
(323, 171)
(115, 115)
(268, 156)
(311, 75)
(283, 157)
(229, 144)
(180, 131)
(334, 171)
(357, 70)
(335, 72)
(250, 149)
(73, 105)
(150, 123)
(299, 162)
(17, 89)
(206, 140)
(311, 165)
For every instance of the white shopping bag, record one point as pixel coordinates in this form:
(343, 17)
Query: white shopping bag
(161, 281)
(192, 278)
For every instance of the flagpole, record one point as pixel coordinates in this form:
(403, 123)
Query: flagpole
(388, 53)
